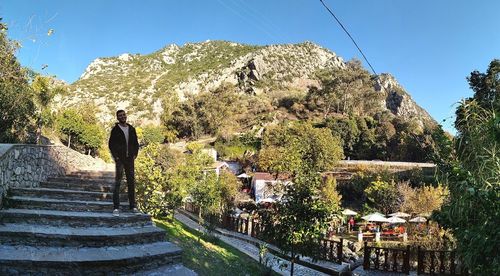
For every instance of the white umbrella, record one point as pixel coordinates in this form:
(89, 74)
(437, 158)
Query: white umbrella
(376, 217)
(268, 199)
(400, 214)
(396, 220)
(243, 175)
(418, 219)
(349, 212)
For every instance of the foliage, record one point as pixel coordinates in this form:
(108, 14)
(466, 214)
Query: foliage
(421, 200)
(238, 147)
(473, 178)
(152, 134)
(157, 191)
(330, 194)
(16, 96)
(212, 113)
(297, 147)
(347, 90)
(301, 218)
(82, 130)
(44, 91)
(383, 195)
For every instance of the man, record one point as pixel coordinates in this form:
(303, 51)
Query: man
(124, 147)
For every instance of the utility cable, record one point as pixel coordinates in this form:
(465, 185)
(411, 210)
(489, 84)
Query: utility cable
(352, 39)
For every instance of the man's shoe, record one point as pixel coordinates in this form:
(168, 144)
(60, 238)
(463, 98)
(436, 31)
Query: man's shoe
(135, 211)
(116, 213)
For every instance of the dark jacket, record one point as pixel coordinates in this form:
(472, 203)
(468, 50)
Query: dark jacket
(117, 142)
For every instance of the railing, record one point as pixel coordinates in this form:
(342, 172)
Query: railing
(428, 262)
(237, 224)
(190, 207)
(387, 259)
(331, 250)
(442, 262)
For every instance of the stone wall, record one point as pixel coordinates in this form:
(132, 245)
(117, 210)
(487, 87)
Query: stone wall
(27, 165)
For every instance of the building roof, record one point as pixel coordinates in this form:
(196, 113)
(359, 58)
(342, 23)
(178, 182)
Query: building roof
(218, 165)
(263, 176)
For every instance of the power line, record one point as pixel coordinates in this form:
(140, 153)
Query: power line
(347, 32)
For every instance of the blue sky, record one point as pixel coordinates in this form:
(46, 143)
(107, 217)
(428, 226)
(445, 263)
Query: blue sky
(429, 46)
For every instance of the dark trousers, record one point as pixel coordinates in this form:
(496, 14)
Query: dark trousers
(128, 165)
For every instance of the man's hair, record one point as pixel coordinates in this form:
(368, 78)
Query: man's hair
(120, 111)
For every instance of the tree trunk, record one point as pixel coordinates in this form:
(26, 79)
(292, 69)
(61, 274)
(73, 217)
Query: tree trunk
(69, 140)
(292, 261)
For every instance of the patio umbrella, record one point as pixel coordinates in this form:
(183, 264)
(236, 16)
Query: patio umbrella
(243, 175)
(375, 217)
(418, 219)
(349, 212)
(268, 200)
(400, 214)
(396, 220)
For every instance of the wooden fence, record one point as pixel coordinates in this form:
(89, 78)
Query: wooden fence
(440, 262)
(428, 262)
(330, 250)
(387, 259)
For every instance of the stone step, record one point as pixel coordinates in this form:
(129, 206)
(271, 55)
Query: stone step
(79, 180)
(128, 259)
(91, 187)
(93, 173)
(64, 236)
(21, 202)
(65, 194)
(74, 219)
(167, 270)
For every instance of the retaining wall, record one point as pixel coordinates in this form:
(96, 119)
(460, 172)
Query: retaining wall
(24, 165)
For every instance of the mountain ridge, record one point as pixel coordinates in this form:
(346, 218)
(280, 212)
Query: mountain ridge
(139, 82)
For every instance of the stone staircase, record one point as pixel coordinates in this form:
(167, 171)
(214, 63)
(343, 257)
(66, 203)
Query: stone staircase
(65, 227)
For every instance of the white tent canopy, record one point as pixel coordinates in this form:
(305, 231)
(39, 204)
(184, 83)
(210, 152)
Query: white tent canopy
(418, 219)
(400, 214)
(243, 175)
(349, 212)
(396, 220)
(375, 217)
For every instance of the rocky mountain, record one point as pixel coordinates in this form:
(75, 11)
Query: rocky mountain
(138, 83)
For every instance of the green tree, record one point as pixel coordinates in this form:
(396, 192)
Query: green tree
(383, 196)
(301, 218)
(45, 91)
(330, 194)
(81, 128)
(152, 134)
(348, 131)
(346, 90)
(158, 190)
(300, 146)
(473, 211)
(16, 96)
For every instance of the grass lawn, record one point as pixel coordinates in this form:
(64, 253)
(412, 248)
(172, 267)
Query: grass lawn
(210, 256)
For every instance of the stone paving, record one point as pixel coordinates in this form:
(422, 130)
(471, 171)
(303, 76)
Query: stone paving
(43, 235)
(276, 263)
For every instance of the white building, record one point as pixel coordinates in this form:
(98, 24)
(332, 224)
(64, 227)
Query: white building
(264, 186)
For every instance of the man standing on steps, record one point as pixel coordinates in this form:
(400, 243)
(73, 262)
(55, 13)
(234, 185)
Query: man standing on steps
(124, 147)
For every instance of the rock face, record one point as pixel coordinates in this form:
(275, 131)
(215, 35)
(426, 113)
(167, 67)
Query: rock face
(399, 102)
(139, 82)
(65, 227)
